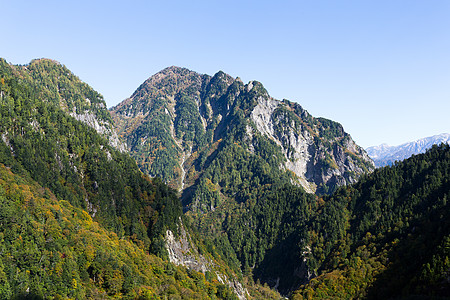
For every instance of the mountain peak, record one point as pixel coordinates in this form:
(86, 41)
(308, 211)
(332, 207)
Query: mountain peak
(175, 69)
(56, 84)
(168, 82)
(221, 76)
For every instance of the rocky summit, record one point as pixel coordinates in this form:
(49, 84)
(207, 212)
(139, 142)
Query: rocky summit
(176, 123)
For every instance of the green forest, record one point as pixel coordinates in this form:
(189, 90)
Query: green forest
(53, 250)
(393, 238)
(74, 161)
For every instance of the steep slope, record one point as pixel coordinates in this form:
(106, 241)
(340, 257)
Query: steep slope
(52, 250)
(386, 237)
(177, 121)
(52, 82)
(234, 153)
(384, 155)
(76, 163)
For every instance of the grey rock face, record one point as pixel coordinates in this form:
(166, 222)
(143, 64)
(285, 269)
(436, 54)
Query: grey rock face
(305, 150)
(183, 252)
(103, 128)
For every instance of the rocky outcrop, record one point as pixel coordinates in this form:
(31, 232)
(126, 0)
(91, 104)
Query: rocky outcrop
(183, 252)
(318, 160)
(103, 128)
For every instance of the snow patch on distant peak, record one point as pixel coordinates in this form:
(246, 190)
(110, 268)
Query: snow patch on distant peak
(384, 154)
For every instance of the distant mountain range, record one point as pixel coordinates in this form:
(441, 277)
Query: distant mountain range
(385, 155)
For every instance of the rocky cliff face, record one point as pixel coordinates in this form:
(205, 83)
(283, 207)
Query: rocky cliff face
(317, 151)
(183, 252)
(177, 113)
(105, 129)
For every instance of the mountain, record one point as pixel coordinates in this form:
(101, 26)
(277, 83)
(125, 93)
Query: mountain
(79, 217)
(178, 121)
(241, 161)
(44, 136)
(52, 82)
(384, 154)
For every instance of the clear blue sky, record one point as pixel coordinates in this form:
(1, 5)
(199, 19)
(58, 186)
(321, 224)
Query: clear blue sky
(380, 68)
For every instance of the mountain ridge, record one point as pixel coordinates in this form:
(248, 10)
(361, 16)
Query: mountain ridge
(393, 234)
(384, 154)
(43, 141)
(53, 82)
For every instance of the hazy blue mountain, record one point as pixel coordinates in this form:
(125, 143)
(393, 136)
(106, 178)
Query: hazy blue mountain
(384, 155)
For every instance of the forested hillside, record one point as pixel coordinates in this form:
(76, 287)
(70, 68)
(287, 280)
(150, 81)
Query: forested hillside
(78, 219)
(75, 162)
(241, 161)
(52, 82)
(53, 250)
(388, 236)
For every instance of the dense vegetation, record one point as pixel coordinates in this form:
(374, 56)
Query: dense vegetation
(76, 163)
(52, 250)
(234, 185)
(52, 82)
(174, 122)
(78, 219)
(388, 236)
